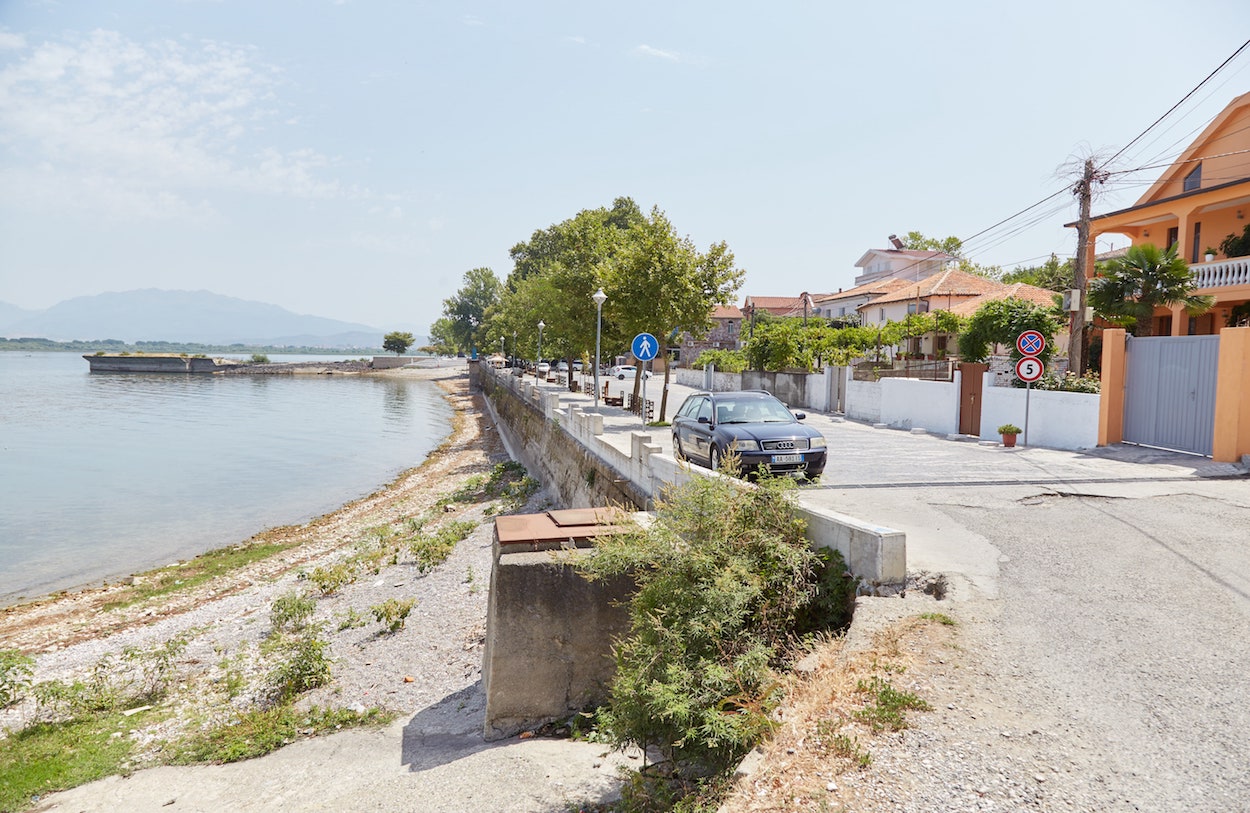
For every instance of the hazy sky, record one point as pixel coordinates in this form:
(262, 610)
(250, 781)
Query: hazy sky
(354, 159)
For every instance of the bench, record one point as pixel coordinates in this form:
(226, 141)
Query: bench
(608, 400)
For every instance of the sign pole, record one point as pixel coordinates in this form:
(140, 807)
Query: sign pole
(1028, 390)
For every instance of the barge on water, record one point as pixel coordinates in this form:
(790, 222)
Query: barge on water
(156, 364)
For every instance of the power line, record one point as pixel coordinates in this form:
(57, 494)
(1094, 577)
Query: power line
(1196, 88)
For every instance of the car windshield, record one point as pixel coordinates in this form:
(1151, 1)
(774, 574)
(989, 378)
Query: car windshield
(752, 411)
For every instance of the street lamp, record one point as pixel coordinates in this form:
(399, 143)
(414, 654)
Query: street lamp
(513, 364)
(540, 347)
(600, 297)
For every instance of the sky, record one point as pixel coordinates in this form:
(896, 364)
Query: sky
(354, 158)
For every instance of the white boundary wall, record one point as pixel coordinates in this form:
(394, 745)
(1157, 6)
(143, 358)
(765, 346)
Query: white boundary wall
(908, 403)
(1057, 420)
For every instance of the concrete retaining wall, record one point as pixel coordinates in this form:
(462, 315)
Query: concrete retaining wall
(548, 636)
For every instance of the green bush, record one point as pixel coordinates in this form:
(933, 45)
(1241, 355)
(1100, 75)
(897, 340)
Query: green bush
(15, 672)
(726, 361)
(1069, 382)
(393, 612)
(260, 358)
(291, 611)
(304, 663)
(726, 582)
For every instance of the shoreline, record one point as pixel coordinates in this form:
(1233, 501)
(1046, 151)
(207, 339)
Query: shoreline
(90, 596)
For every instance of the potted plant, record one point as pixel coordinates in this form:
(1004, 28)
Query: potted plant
(1009, 432)
(1210, 254)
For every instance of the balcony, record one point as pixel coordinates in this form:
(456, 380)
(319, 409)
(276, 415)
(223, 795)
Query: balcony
(1223, 274)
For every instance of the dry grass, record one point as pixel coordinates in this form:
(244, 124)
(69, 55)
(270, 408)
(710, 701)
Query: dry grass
(833, 713)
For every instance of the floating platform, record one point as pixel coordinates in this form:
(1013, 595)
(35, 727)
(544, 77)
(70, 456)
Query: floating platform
(156, 364)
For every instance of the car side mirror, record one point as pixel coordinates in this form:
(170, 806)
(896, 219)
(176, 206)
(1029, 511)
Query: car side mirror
(798, 416)
(704, 419)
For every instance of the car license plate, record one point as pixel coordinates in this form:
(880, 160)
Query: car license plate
(787, 458)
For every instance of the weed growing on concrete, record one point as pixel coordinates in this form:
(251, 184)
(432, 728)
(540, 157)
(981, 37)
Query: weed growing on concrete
(941, 618)
(261, 731)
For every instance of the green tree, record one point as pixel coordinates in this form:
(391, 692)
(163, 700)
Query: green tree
(1131, 287)
(467, 309)
(397, 342)
(443, 337)
(663, 284)
(918, 242)
(1001, 321)
(1052, 275)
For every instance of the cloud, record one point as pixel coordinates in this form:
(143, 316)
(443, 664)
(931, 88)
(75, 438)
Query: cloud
(647, 50)
(11, 42)
(146, 130)
(670, 56)
(472, 20)
(576, 40)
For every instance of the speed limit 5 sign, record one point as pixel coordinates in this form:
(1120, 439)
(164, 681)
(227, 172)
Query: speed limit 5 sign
(1029, 369)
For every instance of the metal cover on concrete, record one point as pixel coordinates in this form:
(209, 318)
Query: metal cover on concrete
(573, 524)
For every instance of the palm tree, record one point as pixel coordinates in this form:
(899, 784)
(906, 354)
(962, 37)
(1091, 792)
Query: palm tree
(1131, 287)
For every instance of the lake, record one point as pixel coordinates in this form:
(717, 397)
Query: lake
(107, 474)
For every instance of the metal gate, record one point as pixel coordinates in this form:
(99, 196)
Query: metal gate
(1169, 397)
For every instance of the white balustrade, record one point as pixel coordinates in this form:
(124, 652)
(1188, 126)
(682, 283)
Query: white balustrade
(1222, 274)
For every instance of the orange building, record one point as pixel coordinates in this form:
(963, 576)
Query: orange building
(1202, 197)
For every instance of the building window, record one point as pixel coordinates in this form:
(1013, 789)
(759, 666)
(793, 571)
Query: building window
(1197, 248)
(1194, 179)
(730, 327)
(841, 311)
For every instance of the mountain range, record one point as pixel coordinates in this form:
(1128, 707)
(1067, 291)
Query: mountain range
(184, 316)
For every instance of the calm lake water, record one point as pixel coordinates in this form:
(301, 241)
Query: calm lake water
(106, 474)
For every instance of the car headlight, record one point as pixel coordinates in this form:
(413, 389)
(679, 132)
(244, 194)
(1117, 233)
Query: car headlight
(816, 442)
(745, 446)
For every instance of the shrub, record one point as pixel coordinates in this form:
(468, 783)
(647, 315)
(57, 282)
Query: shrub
(726, 580)
(330, 579)
(260, 358)
(291, 611)
(1009, 429)
(304, 663)
(15, 672)
(393, 612)
(1069, 382)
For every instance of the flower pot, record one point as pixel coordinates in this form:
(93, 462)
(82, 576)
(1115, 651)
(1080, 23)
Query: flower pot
(1209, 257)
(1009, 441)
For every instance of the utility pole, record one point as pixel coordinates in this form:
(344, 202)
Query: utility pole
(1084, 191)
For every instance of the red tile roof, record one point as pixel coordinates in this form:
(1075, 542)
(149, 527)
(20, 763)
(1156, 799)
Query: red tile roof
(1018, 290)
(951, 282)
(726, 312)
(878, 288)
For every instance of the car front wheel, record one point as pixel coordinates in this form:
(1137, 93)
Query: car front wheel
(714, 458)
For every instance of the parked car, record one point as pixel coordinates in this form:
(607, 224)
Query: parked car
(543, 369)
(755, 425)
(577, 366)
(562, 367)
(624, 371)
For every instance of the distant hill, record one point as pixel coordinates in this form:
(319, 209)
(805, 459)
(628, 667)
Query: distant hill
(183, 316)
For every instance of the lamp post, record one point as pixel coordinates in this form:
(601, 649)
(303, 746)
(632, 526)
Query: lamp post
(513, 349)
(600, 297)
(540, 347)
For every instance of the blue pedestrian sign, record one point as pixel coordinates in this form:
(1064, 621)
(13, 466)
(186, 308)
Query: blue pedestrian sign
(645, 347)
